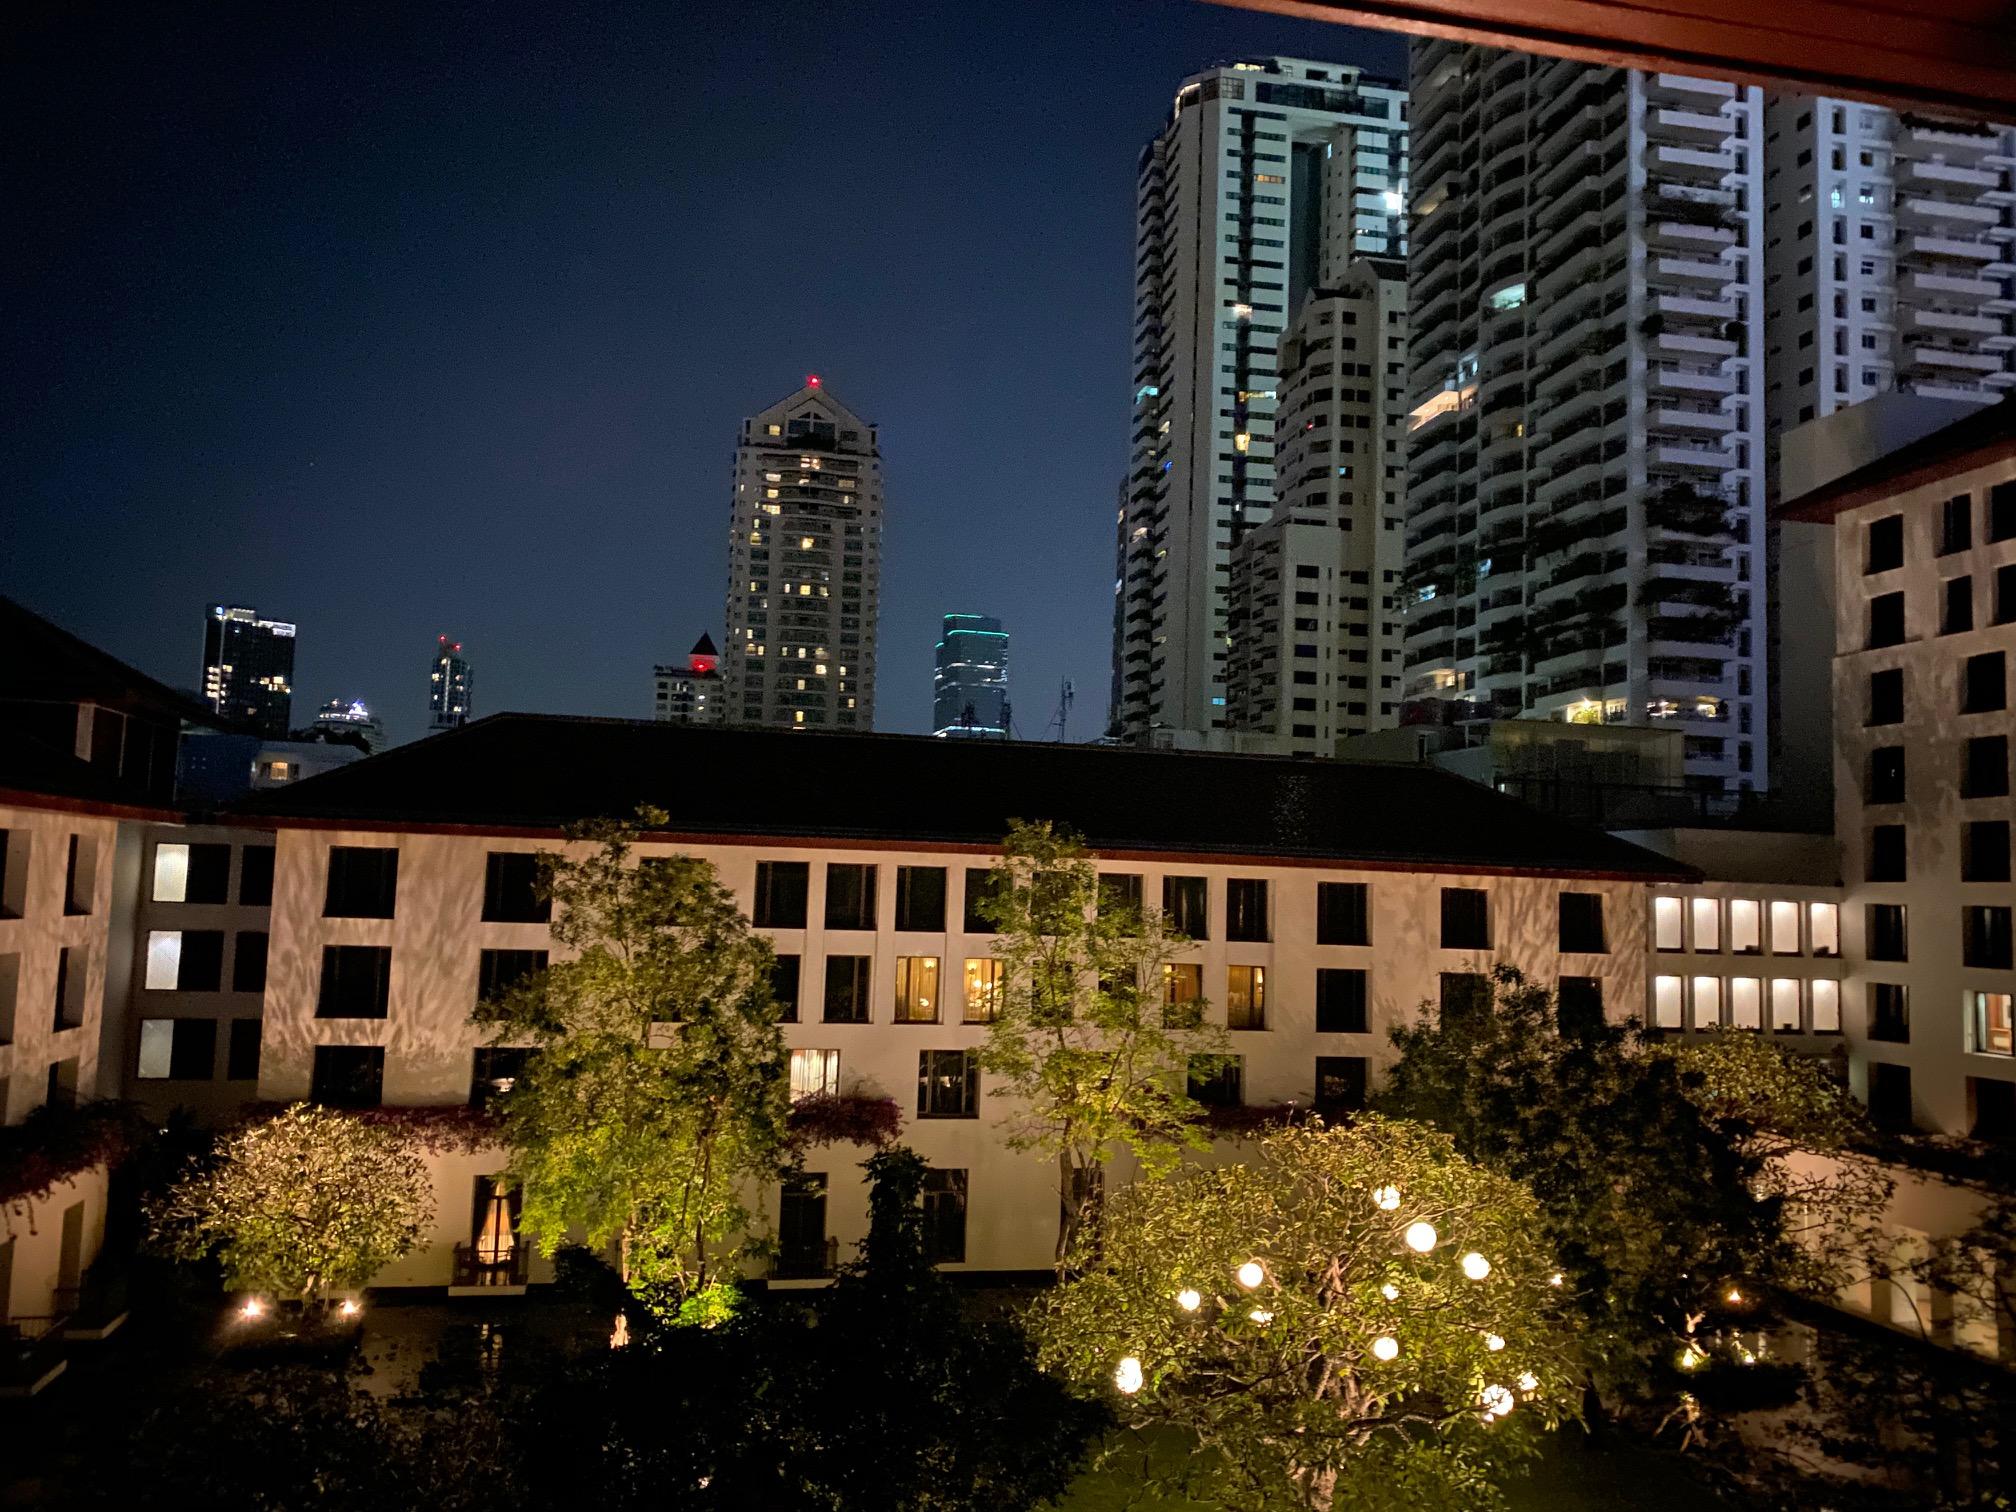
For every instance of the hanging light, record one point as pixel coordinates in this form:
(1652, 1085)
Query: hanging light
(1261, 1315)
(1189, 1300)
(1419, 1237)
(1385, 1347)
(1250, 1274)
(1390, 1292)
(1528, 1381)
(1555, 1279)
(1733, 1295)
(349, 1309)
(1689, 1359)
(1128, 1377)
(1497, 1401)
(253, 1308)
(1493, 1343)
(1475, 1266)
(1386, 1198)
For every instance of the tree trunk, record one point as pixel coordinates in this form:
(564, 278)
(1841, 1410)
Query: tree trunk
(1080, 1190)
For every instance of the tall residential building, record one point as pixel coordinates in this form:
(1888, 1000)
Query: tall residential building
(804, 566)
(1314, 621)
(1268, 178)
(969, 686)
(450, 680)
(248, 667)
(349, 716)
(691, 694)
(1585, 515)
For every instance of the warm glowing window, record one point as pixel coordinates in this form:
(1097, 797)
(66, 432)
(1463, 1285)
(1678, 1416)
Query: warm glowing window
(1826, 924)
(1183, 982)
(1826, 1007)
(1666, 925)
(1666, 1002)
(1745, 926)
(983, 989)
(164, 959)
(1246, 997)
(1746, 1003)
(1785, 1005)
(1994, 1033)
(1784, 928)
(916, 989)
(1707, 1002)
(814, 1073)
(1707, 920)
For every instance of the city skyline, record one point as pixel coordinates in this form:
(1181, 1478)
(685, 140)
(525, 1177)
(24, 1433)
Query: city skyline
(539, 354)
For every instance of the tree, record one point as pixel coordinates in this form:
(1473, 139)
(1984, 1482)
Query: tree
(655, 1094)
(307, 1202)
(1343, 1321)
(1656, 1169)
(1088, 1036)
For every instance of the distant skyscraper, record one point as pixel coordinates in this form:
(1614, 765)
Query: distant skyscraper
(248, 667)
(449, 681)
(346, 716)
(969, 689)
(804, 566)
(691, 694)
(1315, 591)
(1268, 179)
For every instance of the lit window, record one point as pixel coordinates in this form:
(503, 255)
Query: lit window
(1785, 1005)
(776, 430)
(1784, 928)
(814, 1073)
(164, 959)
(1826, 1007)
(1826, 925)
(1666, 925)
(1993, 1033)
(1745, 925)
(916, 989)
(1746, 1003)
(1707, 919)
(804, 543)
(797, 716)
(171, 874)
(983, 989)
(1241, 441)
(1707, 1002)
(1666, 1002)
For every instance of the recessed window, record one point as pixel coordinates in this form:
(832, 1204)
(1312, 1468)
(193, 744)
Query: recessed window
(511, 889)
(1785, 1005)
(1581, 923)
(255, 876)
(248, 961)
(920, 899)
(784, 984)
(1746, 1003)
(1246, 909)
(1984, 685)
(850, 895)
(72, 967)
(948, 1084)
(943, 1199)
(1885, 860)
(15, 846)
(348, 1076)
(191, 873)
(1889, 1095)
(1823, 927)
(1984, 851)
(803, 1249)
(1120, 899)
(916, 989)
(1746, 931)
(2002, 512)
(1462, 994)
(80, 884)
(1956, 606)
(1889, 1013)
(1343, 913)
(1707, 1002)
(1956, 524)
(1218, 1082)
(1667, 994)
(815, 1073)
(1704, 915)
(1885, 924)
(1994, 1026)
(1984, 767)
(1246, 997)
(1578, 1004)
(1669, 926)
(363, 882)
(1466, 918)
(1341, 1001)
(780, 894)
(1985, 938)
(1784, 927)
(177, 1049)
(241, 1055)
(1883, 548)
(494, 1070)
(1886, 697)
(2005, 593)
(1186, 903)
(847, 983)
(185, 960)
(1340, 1084)
(983, 989)
(1182, 991)
(1886, 621)
(356, 981)
(1884, 782)
(498, 971)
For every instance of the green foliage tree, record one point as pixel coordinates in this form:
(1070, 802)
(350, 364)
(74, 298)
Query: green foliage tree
(303, 1204)
(655, 1095)
(1345, 1320)
(1085, 1038)
(1656, 1169)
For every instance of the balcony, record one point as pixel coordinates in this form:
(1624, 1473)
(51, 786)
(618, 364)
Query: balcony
(1690, 92)
(1951, 286)
(1696, 420)
(1698, 125)
(1694, 164)
(495, 1276)
(1690, 380)
(1975, 251)
(1936, 215)
(1717, 275)
(1691, 230)
(814, 1260)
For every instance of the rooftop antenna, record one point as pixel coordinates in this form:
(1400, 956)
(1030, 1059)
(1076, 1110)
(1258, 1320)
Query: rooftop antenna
(1062, 721)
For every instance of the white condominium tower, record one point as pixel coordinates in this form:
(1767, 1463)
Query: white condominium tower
(1585, 514)
(1269, 177)
(804, 567)
(1315, 612)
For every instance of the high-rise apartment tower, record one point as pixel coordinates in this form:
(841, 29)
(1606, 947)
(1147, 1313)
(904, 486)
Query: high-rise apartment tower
(804, 566)
(450, 681)
(691, 694)
(1268, 178)
(969, 684)
(1585, 514)
(248, 667)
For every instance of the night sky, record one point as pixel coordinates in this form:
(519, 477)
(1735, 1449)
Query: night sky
(433, 318)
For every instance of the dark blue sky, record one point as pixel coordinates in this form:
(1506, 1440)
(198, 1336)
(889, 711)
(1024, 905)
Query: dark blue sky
(395, 321)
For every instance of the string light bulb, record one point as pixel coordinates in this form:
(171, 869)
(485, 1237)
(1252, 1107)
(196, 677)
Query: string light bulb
(1127, 1376)
(1261, 1315)
(1497, 1401)
(1419, 1237)
(1386, 1198)
(1555, 1279)
(1528, 1381)
(253, 1308)
(1385, 1347)
(1250, 1274)
(1732, 1295)
(1189, 1300)
(1390, 1292)
(1475, 1266)
(349, 1309)
(1493, 1343)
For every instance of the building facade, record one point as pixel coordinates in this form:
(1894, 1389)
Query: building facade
(969, 682)
(692, 694)
(1586, 511)
(350, 716)
(248, 668)
(804, 566)
(1312, 935)
(450, 682)
(1314, 619)
(1269, 177)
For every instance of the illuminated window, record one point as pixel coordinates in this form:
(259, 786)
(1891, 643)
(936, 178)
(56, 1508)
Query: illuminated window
(1785, 1005)
(1666, 924)
(773, 477)
(1707, 921)
(1666, 1002)
(1784, 928)
(1246, 997)
(775, 430)
(916, 989)
(1183, 986)
(1745, 926)
(804, 543)
(1707, 1002)
(1746, 1003)
(171, 875)
(1994, 1033)
(164, 959)
(1826, 1007)
(814, 1073)
(983, 989)
(1825, 919)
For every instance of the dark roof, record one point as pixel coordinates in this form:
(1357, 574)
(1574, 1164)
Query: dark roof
(704, 646)
(43, 663)
(1986, 436)
(32, 769)
(527, 771)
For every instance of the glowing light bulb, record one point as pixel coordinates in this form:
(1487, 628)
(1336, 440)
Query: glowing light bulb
(1261, 1315)
(349, 1309)
(253, 1308)
(1385, 1347)
(1689, 1359)
(1555, 1279)
(1250, 1274)
(1493, 1343)
(1390, 1292)
(1528, 1381)
(1732, 1295)
(1386, 1198)
(1419, 1237)
(1497, 1401)
(1189, 1300)
(1128, 1376)
(1475, 1266)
